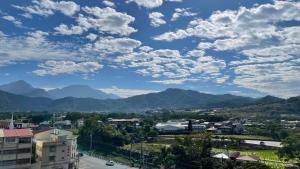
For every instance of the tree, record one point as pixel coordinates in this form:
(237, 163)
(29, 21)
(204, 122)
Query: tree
(190, 153)
(291, 148)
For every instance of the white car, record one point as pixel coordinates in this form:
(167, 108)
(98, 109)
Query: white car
(110, 163)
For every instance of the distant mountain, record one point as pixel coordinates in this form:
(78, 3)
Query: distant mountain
(80, 91)
(170, 99)
(271, 106)
(23, 88)
(12, 102)
(268, 100)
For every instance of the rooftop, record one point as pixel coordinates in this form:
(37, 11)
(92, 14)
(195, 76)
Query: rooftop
(15, 133)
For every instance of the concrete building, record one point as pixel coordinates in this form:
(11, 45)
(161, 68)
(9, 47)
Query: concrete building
(15, 148)
(56, 149)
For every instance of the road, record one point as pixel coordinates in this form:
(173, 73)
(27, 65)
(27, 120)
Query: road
(88, 162)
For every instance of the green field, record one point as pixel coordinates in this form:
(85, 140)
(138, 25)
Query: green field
(147, 147)
(245, 137)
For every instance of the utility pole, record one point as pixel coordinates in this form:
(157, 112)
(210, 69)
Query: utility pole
(142, 156)
(91, 142)
(131, 140)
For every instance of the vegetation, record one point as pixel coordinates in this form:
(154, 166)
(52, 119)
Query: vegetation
(291, 148)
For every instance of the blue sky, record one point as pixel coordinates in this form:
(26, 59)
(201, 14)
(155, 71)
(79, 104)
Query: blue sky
(130, 47)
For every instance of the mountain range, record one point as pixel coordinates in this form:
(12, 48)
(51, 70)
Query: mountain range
(169, 99)
(80, 91)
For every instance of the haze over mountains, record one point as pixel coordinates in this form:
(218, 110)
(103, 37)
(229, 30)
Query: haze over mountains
(20, 96)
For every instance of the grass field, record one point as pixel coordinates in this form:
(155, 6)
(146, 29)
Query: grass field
(245, 137)
(147, 147)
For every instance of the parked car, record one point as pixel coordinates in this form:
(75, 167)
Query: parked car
(80, 154)
(110, 163)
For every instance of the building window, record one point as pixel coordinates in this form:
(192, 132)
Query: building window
(10, 152)
(52, 149)
(25, 140)
(51, 158)
(24, 150)
(10, 140)
(23, 161)
(9, 162)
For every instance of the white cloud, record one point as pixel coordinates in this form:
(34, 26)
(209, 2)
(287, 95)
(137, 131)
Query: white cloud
(267, 51)
(173, 81)
(156, 19)
(182, 12)
(174, 0)
(147, 3)
(278, 79)
(34, 47)
(13, 20)
(110, 45)
(257, 21)
(49, 7)
(103, 20)
(124, 93)
(109, 3)
(166, 63)
(92, 36)
(66, 67)
(65, 30)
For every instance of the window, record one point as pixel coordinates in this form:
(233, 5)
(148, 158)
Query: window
(51, 158)
(52, 149)
(24, 150)
(8, 162)
(23, 161)
(25, 140)
(10, 152)
(10, 140)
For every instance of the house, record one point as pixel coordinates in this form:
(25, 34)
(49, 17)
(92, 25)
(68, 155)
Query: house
(15, 148)
(221, 156)
(123, 121)
(212, 130)
(248, 158)
(56, 148)
(170, 127)
(64, 124)
(79, 123)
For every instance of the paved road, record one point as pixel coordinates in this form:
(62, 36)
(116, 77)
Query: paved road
(88, 162)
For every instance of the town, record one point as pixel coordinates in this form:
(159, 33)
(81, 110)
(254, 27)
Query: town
(83, 140)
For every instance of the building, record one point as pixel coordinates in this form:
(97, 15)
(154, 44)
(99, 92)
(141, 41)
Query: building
(80, 123)
(65, 124)
(123, 121)
(15, 148)
(56, 149)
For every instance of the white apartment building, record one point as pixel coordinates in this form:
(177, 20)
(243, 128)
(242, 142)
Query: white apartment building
(56, 149)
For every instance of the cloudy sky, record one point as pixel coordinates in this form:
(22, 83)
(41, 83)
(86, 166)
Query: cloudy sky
(240, 47)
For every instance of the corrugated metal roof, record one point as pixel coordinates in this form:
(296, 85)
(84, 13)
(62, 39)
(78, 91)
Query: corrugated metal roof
(16, 133)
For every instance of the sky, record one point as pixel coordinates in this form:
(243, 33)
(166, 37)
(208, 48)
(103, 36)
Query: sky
(129, 47)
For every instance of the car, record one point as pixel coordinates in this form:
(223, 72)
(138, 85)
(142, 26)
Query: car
(80, 154)
(110, 163)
